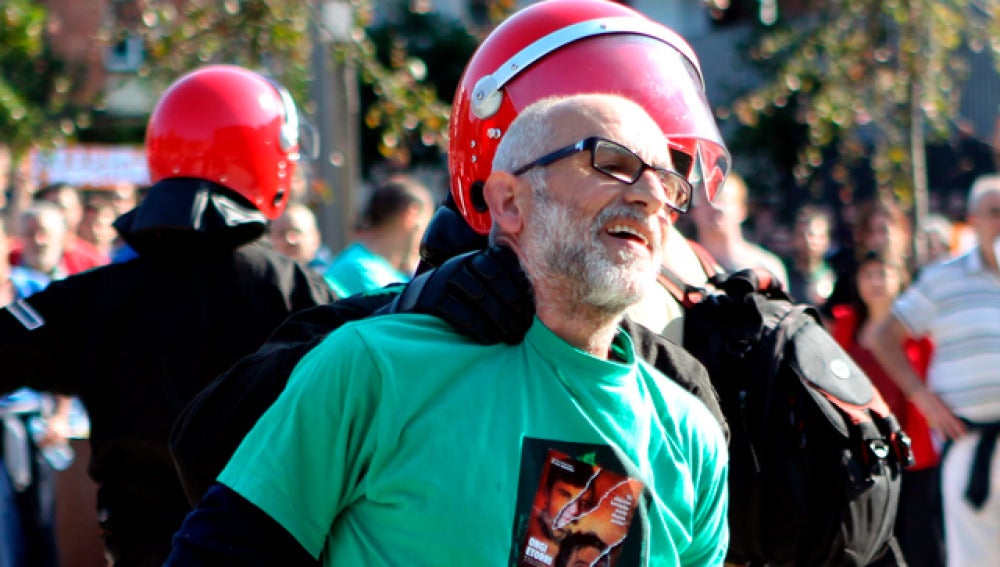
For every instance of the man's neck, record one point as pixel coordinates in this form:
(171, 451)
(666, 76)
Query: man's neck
(586, 328)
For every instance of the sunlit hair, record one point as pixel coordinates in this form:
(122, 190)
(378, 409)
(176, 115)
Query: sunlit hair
(983, 185)
(528, 136)
(391, 199)
(525, 140)
(38, 209)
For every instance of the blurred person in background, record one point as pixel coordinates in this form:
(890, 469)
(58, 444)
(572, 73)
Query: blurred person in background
(810, 278)
(937, 233)
(881, 225)
(386, 248)
(97, 226)
(124, 197)
(27, 477)
(720, 230)
(879, 279)
(956, 304)
(78, 254)
(41, 231)
(296, 235)
(16, 281)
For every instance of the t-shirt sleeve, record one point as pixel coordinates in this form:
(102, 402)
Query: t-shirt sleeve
(710, 465)
(304, 459)
(914, 309)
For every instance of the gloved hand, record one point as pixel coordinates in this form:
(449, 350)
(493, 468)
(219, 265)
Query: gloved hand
(447, 236)
(484, 295)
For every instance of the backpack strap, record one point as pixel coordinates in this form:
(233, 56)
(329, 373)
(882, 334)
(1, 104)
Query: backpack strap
(686, 294)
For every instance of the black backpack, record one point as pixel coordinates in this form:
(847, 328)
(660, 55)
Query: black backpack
(815, 454)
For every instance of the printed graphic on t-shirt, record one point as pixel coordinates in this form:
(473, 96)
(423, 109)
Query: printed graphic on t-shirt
(579, 511)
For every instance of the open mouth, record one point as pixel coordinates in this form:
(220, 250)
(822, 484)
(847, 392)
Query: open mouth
(628, 232)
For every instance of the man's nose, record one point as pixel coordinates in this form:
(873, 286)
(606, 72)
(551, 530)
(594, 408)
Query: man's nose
(648, 192)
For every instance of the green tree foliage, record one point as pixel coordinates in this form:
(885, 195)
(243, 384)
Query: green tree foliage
(409, 61)
(413, 46)
(271, 36)
(35, 86)
(869, 78)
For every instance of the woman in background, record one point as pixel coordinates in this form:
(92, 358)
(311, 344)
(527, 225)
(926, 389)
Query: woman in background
(879, 278)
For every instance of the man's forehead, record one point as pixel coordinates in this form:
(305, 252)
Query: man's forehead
(617, 119)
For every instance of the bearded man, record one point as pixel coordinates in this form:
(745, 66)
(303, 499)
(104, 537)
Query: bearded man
(397, 440)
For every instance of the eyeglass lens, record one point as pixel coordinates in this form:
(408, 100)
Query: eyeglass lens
(622, 164)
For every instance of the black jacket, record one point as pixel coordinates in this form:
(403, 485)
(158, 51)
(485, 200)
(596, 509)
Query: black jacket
(137, 340)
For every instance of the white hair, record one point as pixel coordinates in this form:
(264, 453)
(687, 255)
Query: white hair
(39, 209)
(527, 137)
(984, 185)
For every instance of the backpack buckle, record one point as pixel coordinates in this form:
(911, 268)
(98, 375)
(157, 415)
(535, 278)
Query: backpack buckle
(879, 449)
(902, 447)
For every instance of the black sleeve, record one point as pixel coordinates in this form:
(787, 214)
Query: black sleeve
(214, 423)
(40, 336)
(226, 529)
(677, 364)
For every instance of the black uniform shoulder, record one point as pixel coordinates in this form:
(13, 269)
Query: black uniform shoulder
(214, 423)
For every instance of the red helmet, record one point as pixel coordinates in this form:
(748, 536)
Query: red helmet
(230, 126)
(564, 47)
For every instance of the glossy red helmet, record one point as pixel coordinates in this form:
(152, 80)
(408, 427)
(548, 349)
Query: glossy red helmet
(230, 126)
(565, 47)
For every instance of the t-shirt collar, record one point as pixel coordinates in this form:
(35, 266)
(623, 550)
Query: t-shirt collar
(572, 359)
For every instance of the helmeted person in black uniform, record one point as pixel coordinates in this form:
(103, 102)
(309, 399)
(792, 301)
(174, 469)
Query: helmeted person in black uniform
(137, 340)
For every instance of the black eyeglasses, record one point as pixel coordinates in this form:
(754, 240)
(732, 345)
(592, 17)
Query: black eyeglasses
(621, 163)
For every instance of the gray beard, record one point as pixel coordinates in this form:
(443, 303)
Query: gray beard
(569, 254)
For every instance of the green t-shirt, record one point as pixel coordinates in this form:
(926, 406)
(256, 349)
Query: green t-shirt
(399, 442)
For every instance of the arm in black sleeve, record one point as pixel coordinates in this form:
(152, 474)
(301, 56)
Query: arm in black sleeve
(226, 529)
(40, 336)
(677, 364)
(214, 423)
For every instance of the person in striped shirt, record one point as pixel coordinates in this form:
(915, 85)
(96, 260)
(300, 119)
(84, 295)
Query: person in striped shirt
(956, 304)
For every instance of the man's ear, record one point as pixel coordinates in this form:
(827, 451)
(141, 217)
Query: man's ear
(505, 196)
